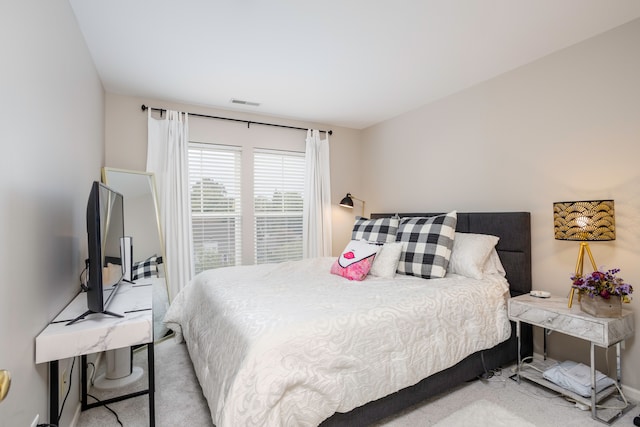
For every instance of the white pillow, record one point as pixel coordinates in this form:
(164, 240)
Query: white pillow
(494, 265)
(386, 262)
(470, 253)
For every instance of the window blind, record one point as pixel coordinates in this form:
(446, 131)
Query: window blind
(278, 199)
(214, 182)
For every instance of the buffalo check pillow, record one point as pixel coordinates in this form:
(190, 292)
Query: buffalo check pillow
(381, 230)
(427, 244)
(146, 268)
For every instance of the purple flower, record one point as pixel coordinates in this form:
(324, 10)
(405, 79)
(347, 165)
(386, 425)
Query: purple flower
(603, 284)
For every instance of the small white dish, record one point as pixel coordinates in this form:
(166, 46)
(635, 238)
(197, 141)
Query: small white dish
(540, 294)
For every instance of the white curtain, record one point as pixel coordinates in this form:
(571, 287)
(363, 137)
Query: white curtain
(168, 159)
(316, 219)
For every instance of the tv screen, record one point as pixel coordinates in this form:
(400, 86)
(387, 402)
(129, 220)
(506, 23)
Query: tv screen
(105, 229)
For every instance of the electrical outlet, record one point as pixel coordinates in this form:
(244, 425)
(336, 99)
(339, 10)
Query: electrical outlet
(62, 382)
(34, 423)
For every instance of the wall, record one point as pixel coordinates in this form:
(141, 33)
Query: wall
(566, 127)
(52, 116)
(126, 147)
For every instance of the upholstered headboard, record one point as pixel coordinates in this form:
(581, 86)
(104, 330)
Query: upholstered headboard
(514, 247)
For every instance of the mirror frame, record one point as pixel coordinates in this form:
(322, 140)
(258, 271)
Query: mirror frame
(154, 194)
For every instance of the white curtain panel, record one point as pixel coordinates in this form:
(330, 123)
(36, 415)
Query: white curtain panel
(168, 159)
(316, 216)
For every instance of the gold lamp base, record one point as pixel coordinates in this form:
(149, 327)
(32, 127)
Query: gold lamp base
(584, 247)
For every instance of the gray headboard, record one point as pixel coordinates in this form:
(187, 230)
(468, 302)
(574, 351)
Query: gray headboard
(514, 247)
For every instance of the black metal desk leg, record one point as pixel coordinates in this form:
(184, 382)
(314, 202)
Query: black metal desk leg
(152, 384)
(54, 399)
(83, 382)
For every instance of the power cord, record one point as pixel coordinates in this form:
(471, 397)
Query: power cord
(93, 372)
(85, 280)
(68, 388)
(92, 377)
(487, 374)
(109, 409)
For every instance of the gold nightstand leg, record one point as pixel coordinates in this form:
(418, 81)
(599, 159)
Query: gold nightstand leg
(584, 246)
(571, 296)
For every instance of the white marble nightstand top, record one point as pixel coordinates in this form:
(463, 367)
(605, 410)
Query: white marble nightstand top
(99, 332)
(553, 314)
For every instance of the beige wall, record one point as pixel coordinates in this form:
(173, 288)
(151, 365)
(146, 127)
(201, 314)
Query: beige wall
(126, 147)
(52, 116)
(566, 127)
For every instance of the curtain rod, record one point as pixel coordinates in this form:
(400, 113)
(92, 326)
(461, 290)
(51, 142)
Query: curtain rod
(248, 122)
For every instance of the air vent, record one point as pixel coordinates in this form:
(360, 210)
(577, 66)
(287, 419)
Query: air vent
(242, 102)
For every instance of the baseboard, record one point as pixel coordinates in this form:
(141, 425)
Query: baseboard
(76, 416)
(632, 394)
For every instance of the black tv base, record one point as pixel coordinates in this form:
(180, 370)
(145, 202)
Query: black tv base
(86, 313)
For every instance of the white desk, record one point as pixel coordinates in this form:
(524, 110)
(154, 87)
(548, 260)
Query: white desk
(95, 333)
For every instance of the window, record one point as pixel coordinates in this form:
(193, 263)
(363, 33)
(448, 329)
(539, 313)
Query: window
(214, 182)
(278, 186)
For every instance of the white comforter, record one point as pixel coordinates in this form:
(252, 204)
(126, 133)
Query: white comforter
(290, 344)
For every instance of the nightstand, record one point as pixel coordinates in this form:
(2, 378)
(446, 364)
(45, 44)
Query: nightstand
(553, 315)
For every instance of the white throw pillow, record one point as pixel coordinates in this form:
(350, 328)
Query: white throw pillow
(494, 265)
(470, 253)
(386, 262)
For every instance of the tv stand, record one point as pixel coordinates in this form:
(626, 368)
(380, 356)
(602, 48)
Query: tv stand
(96, 334)
(86, 313)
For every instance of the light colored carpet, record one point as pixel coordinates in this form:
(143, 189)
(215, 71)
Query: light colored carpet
(179, 401)
(483, 413)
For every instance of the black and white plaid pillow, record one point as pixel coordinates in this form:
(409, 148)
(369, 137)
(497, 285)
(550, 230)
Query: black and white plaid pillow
(380, 230)
(146, 268)
(427, 244)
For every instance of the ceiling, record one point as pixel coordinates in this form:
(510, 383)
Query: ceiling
(350, 63)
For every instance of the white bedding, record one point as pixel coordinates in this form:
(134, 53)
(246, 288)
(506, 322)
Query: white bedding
(290, 344)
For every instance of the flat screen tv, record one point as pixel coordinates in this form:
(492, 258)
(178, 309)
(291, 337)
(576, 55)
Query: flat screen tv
(105, 231)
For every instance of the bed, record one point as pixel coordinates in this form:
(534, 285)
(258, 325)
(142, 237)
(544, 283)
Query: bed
(319, 349)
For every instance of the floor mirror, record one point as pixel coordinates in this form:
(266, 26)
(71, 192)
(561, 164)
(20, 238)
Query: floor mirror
(142, 223)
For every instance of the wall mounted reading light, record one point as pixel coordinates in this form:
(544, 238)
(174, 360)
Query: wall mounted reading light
(585, 221)
(347, 202)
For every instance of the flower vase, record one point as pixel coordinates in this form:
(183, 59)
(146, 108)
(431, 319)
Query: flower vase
(601, 307)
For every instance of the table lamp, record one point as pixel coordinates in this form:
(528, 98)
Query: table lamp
(585, 221)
